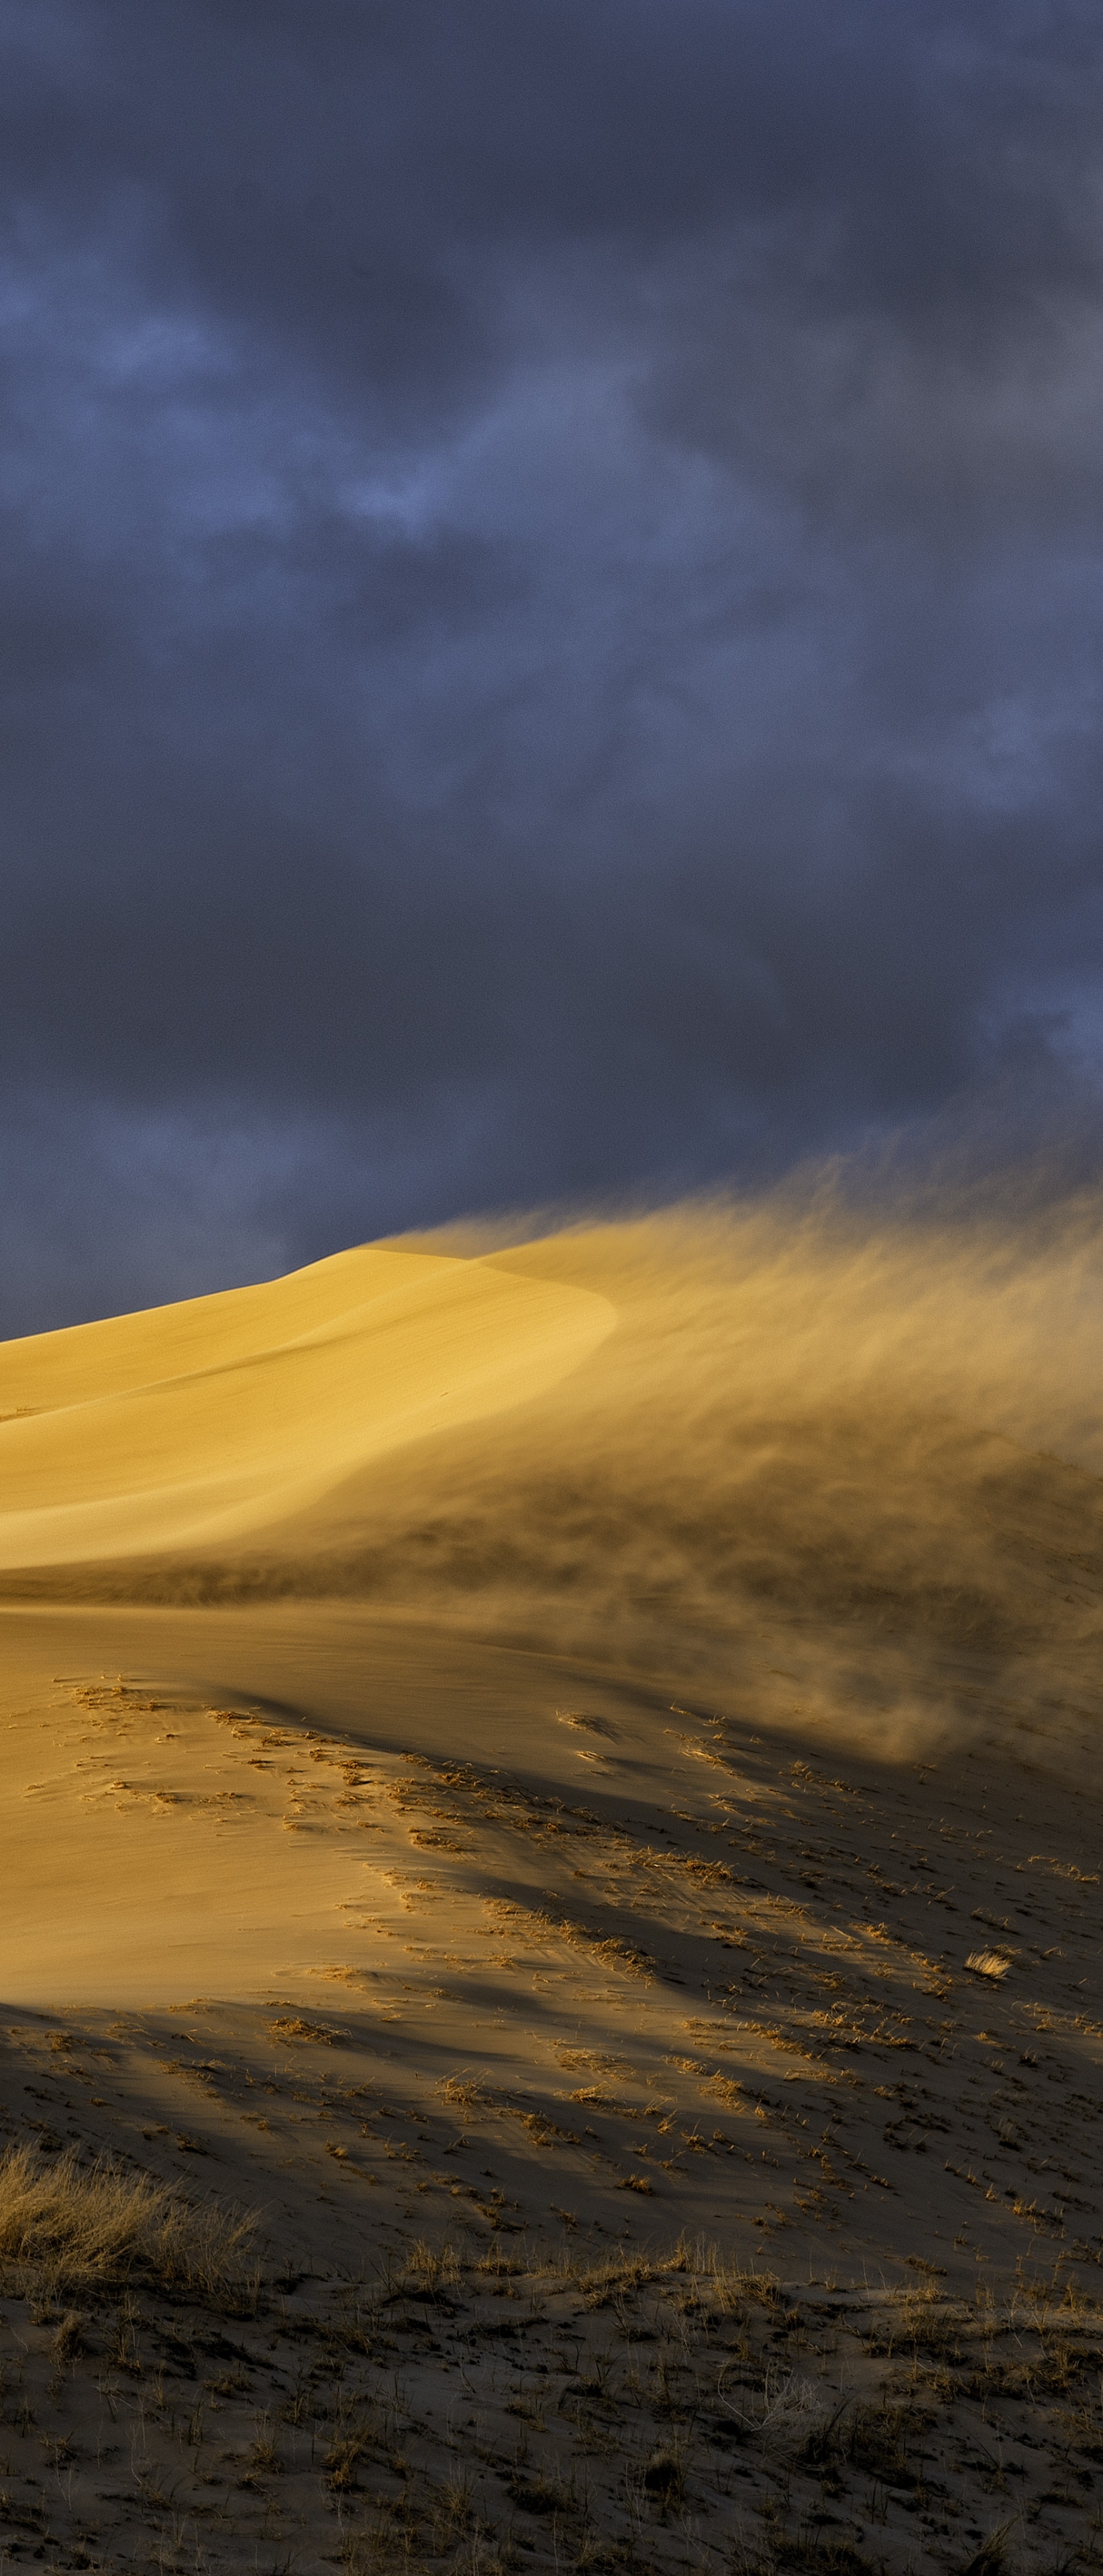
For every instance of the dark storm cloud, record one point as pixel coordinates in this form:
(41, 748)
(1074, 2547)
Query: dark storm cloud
(549, 604)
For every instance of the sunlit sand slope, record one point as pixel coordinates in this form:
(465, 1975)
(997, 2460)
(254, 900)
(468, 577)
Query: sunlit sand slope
(194, 1424)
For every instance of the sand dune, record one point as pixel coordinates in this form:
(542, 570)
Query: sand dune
(194, 1424)
(520, 1762)
(711, 1443)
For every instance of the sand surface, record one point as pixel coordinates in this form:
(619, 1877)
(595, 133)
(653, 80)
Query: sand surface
(565, 1779)
(199, 1422)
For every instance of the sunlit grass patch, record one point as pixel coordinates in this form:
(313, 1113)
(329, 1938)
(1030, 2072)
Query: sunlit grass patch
(64, 2226)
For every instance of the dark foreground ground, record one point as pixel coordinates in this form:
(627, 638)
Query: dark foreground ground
(685, 2155)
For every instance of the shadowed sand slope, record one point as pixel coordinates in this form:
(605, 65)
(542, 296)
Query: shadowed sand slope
(661, 2122)
(192, 1425)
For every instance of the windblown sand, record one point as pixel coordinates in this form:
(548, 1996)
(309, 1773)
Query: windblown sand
(560, 1784)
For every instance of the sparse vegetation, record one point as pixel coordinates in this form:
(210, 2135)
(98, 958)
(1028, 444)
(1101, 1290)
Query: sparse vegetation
(470, 2408)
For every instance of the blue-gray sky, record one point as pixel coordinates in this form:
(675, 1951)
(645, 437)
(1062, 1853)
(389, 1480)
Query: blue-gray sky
(550, 605)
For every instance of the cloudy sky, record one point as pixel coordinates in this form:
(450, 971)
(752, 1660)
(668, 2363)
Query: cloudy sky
(550, 605)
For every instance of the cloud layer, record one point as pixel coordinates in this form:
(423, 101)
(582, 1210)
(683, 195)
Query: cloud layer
(549, 604)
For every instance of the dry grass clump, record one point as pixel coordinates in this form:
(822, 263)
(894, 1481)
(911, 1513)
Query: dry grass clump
(880, 2438)
(350, 2447)
(62, 2226)
(432, 2270)
(292, 2026)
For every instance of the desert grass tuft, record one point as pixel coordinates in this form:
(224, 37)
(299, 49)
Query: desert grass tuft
(992, 2556)
(68, 2227)
(432, 2269)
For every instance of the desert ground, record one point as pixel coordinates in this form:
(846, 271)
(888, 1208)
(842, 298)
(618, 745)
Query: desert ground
(551, 2011)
